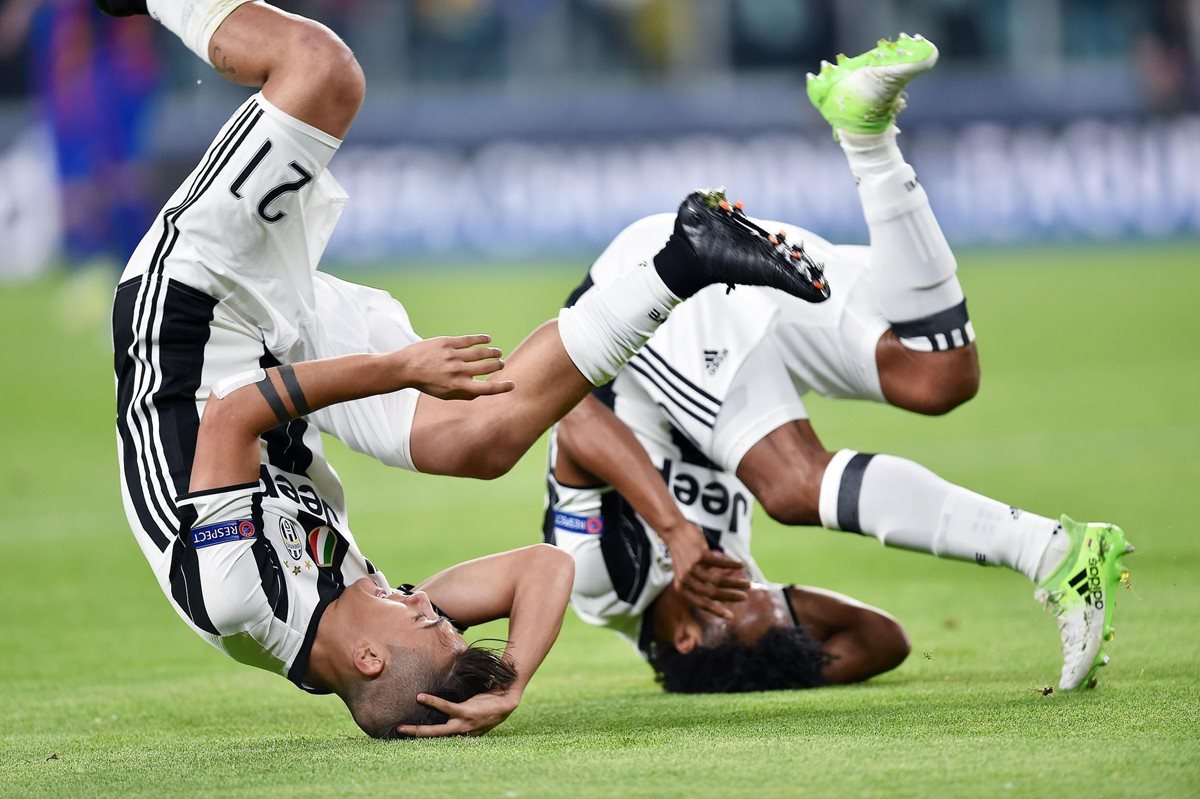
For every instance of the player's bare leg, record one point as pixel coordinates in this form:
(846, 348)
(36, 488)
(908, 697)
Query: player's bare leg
(562, 361)
(928, 363)
(304, 69)
(485, 438)
(914, 284)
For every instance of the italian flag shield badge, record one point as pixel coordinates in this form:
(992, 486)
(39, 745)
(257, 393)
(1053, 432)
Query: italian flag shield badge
(322, 545)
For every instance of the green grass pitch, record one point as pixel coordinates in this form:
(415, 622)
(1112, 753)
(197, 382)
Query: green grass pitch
(1089, 405)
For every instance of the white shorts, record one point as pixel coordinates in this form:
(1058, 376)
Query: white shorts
(726, 387)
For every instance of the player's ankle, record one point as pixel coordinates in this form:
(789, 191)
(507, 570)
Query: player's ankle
(675, 263)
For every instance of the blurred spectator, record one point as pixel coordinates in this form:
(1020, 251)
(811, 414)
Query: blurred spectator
(95, 83)
(455, 39)
(1166, 55)
(782, 33)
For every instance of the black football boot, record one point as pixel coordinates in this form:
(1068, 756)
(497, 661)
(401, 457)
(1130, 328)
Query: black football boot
(730, 248)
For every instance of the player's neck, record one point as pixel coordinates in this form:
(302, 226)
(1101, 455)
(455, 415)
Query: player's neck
(323, 663)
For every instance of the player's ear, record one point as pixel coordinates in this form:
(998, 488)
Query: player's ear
(369, 659)
(686, 637)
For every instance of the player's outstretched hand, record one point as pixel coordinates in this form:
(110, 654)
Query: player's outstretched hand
(475, 716)
(707, 579)
(446, 367)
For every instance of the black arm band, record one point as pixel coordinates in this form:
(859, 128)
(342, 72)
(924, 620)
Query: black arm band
(295, 394)
(267, 389)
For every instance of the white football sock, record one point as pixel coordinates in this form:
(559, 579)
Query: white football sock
(193, 21)
(610, 323)
(906, 505)
(912, 267)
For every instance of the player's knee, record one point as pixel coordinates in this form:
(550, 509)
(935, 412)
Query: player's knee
(555, 560)
(789, 499)
(947, 388)
(329, 67)
(928, 383)
(489, 462)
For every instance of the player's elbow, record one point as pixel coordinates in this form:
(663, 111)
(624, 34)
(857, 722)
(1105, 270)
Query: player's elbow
(230, 417)
(891, 642)
(552, 560)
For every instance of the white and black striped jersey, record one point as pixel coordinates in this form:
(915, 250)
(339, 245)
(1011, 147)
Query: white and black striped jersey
(266, 558)
(223, 283)
(621, 564)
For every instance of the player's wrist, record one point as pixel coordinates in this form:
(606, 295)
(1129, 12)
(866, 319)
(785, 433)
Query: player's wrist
(674, 529)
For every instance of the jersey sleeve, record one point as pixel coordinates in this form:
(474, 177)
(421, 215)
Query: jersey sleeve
(216, 565)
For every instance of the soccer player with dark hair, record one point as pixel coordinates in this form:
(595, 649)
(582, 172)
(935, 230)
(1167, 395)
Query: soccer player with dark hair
(233, 354)
(715, 400)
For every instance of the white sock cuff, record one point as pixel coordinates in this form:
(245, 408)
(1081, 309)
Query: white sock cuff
(193, 21)
(831, 483)
(891, 195)
(608, 324)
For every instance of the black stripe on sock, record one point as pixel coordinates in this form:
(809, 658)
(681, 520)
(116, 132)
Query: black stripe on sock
(849, 490)
(944, 322)
(580, 290)
(294, 392)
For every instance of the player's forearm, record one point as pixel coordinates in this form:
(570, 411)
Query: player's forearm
(529, 586)
(227, 441)
(598, 442)
(539, 604)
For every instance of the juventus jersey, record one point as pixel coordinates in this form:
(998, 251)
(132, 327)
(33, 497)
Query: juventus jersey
(267, 558)
(223, 283)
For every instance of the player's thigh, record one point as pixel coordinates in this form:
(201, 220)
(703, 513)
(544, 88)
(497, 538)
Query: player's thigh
(761, 398)
(354, 319)
(830, 348)
(783, 469)
(931, 383)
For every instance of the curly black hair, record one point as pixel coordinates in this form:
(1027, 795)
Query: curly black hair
(784, 658)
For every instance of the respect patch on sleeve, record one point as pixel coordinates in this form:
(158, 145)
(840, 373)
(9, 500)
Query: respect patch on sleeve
(222, 532)
(581, 525)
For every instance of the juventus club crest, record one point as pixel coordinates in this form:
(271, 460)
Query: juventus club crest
(290, 535)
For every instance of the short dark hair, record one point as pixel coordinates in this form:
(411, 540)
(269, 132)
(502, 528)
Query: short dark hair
(382, 704)
(784, 658)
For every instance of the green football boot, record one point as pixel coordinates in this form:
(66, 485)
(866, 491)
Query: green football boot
(865, 93)
(1080, 595)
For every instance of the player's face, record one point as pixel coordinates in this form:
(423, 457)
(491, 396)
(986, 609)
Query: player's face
(408, 621)
(752, 617)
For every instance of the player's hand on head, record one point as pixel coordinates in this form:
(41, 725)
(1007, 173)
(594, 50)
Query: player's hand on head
(707, 579)
(473, 716)
(446, 367)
